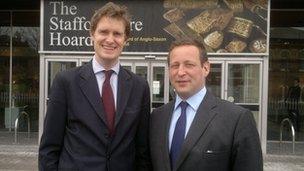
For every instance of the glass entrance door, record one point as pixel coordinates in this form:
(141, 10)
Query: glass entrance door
(57, 66)
(19, 75)
(214, 81)
(235, 81)
(156, 75)
(243, 86)
(154, 72)
(52, 67)
(238, 82)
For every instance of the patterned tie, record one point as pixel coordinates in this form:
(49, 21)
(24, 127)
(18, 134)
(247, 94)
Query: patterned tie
(108, 101)
(179, 135)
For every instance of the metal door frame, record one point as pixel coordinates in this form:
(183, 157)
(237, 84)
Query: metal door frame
(162, 61)
(150, 64)
(263, 88)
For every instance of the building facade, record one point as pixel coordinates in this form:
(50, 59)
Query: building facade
(253, 64)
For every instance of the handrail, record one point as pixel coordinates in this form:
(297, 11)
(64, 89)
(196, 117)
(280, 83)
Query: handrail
(28, 125)
(292, 132)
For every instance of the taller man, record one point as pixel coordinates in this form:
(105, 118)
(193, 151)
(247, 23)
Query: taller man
(197, 131)
(98, 114)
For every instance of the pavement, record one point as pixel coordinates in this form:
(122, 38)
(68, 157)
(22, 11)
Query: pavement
(284, 163)
(18, 157)
(282, 157)
(23, 157)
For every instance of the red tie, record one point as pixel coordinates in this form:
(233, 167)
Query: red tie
(108, 101)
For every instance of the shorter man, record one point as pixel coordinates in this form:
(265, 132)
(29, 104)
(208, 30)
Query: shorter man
(197, 131)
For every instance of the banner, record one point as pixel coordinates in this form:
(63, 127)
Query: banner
(222, 26)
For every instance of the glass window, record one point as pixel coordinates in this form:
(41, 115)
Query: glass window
(19, 72)
(286, 82)
(158, 86)
(142, 71)
(57, 66)
(5, 118)
(25, 65)
(214, 79)
(244, 86)
(243, 82)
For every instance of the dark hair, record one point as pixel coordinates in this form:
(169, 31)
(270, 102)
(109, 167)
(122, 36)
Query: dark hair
(111, 10)
(190, 42)
(297, 79)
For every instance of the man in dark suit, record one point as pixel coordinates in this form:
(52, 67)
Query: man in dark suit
(98, 114)
(198, 131)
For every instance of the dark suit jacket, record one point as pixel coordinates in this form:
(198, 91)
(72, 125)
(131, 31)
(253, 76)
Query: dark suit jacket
(222, 136)
(75, 133)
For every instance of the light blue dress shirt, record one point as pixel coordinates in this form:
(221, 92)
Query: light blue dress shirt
(193, 104)
(100, 77)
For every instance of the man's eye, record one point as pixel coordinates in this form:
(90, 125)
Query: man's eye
(190, 65)
(117, 34)
(103, 32)
(174, 66)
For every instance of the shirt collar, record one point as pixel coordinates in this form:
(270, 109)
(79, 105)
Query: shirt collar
(99, 68)
(193, 101)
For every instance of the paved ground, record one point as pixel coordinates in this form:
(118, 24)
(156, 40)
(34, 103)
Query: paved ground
(284, 163)
(280, 157)
(18, 157)
(23, 157)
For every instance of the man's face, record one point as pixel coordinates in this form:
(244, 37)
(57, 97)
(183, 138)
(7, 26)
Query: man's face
(109, 39)
(187, 74)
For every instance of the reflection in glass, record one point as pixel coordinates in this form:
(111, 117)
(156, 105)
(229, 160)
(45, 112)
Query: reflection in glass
(127, 67)
(54, 67)
(142, 71)
(19, 60)
(287, 60)
(5, 119)
(158, 86)
(214, 79)
(243, 86)
(25, 78)
(243, 82)
(84, 62)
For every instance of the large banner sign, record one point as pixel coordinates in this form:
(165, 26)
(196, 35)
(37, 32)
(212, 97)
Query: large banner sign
(222, 26)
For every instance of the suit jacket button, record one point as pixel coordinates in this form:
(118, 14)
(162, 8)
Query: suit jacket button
(107, 135)
(108, 157)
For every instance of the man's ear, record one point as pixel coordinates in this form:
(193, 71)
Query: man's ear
(126, 40)
(92, 36)
(206, 68)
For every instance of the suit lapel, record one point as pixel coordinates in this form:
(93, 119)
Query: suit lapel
(167, 115)
(199, 125)
(123, 93)
(89, 87)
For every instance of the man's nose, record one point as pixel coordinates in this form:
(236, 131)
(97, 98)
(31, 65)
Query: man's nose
(181, 70)
(110, 38)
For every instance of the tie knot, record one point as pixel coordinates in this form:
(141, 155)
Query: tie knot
(183, 105)
(108, 74)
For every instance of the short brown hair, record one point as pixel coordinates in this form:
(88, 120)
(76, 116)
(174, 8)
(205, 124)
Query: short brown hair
(111, 10)
(190, 42)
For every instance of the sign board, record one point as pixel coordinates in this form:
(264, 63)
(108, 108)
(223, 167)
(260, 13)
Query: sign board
(221, 26)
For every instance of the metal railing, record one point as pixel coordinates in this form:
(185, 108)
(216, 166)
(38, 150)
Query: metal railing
(22, 113)
(293, 133)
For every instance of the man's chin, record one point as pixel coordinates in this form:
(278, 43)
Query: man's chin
(110, 55)
(182, 93)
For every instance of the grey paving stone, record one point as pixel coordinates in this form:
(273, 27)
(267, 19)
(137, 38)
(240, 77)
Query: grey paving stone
(24, 157)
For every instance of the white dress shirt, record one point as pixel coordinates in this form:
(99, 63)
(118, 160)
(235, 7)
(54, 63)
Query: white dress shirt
(100, 77)
(193, 104)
